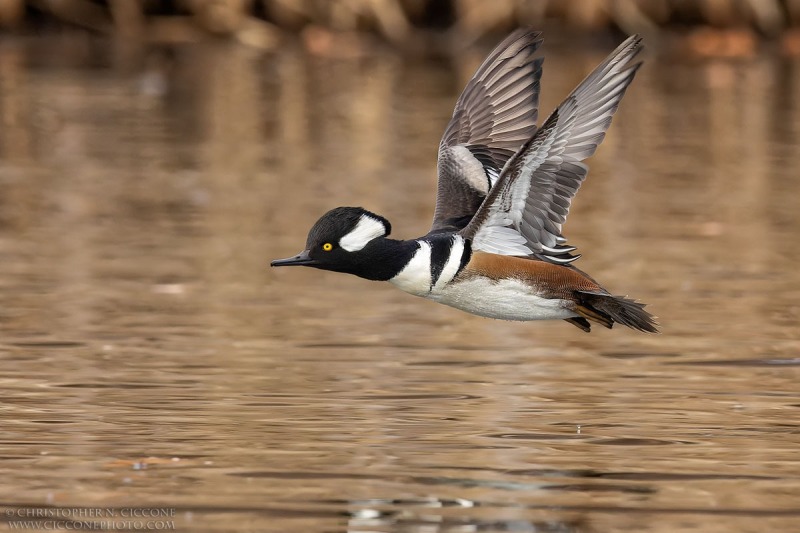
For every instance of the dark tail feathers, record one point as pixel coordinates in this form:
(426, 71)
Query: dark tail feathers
(607, 309)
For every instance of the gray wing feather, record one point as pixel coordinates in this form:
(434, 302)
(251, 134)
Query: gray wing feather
(535, 189)
(495, 114)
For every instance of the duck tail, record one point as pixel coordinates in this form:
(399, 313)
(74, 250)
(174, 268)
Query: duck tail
(607, 309)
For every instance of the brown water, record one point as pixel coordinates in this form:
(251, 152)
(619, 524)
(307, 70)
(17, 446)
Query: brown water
(151, 359)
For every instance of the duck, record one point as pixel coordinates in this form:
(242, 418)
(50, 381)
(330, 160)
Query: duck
(505, 185)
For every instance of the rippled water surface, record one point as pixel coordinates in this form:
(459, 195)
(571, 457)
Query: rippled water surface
(150, 358)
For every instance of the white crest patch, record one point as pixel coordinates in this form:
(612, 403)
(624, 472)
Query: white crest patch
(367, 229)
(415, 278)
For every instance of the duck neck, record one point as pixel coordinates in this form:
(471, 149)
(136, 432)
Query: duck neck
(382, 259)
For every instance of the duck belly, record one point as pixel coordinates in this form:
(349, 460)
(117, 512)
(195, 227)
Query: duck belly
(507, 299)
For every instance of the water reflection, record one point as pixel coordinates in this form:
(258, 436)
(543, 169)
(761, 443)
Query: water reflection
(152, 358)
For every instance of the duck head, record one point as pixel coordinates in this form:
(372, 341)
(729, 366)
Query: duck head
(346, 239)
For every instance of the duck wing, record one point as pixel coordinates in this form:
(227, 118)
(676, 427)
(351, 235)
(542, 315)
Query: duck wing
(524, 211)
(493, 117)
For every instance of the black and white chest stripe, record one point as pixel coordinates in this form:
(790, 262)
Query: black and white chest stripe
(435, 263)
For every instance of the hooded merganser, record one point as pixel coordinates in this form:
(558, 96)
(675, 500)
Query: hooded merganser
(505, 187)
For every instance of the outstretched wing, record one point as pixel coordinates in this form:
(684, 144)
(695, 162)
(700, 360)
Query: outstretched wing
(493, 117)
(524, 212)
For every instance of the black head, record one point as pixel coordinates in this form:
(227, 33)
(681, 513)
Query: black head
(338, 240)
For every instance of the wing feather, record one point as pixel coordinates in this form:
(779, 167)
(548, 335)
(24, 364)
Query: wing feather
(495, 114)
(534, 192)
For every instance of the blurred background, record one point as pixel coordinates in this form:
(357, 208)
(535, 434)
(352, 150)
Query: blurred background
(261, 22)
(156, 155)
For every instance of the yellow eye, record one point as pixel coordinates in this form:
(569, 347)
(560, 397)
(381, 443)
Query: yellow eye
(327, 247)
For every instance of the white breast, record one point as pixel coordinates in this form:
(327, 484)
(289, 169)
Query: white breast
(505, 299)
(415, 278)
